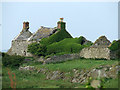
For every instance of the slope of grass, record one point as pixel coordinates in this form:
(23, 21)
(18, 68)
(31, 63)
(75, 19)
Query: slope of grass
(112, 83)
(71, 64)
(34, 80)
(28, 79)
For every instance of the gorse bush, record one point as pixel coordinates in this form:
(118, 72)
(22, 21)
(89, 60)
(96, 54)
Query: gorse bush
(13, 61)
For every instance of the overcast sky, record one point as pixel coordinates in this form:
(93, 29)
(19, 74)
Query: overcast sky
(88, 19)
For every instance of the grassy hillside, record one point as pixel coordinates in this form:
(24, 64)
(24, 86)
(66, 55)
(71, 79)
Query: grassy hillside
(68, 66)
(28, 79)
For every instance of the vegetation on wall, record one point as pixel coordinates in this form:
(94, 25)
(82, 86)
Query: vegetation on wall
(60, 35)
(64, 46)
(68, 45)
(39, 49)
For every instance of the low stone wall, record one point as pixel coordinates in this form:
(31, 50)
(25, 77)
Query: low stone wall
(61, 58)
(96, 52)
(77, 75)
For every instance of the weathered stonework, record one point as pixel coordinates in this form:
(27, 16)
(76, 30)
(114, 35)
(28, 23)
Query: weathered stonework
(60, 58)
(19, 47)
(20, 43)
(96, 52)
(99, 50)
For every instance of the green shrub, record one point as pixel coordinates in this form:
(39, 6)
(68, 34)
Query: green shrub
(13, 61)
(37, 49)
(115, 45)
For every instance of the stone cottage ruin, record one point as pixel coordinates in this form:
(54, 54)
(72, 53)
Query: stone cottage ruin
(99, 50)
(21, 42)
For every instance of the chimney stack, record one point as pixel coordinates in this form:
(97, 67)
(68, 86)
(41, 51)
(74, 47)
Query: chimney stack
(25, 25)
(61, 24)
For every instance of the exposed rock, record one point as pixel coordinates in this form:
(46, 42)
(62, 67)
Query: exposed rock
(95, 83)
(41, 59)
(31, 68)
(55, 75)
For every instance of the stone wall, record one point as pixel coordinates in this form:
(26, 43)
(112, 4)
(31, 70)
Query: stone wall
(19, 47)
(96, 52)
(77, 75)
(61, 58)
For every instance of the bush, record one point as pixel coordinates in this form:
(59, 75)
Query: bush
(37, 49)
(115, 45)
(13, 61)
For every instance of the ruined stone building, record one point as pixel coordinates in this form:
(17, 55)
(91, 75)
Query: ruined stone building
(99, 50)
(21, 42)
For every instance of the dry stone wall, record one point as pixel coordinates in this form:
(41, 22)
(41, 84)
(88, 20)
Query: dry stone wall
(65, 57)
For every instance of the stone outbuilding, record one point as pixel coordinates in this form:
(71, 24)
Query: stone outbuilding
(99, 50)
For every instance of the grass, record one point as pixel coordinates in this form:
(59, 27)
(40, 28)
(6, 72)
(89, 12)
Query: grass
(77, 64)
(112, 83)
(27, 79)
(34, 80)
